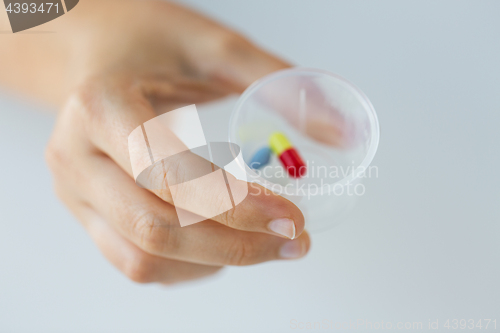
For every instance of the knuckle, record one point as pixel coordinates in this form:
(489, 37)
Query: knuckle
(153, 234)
(228, 42)
(83, 101)
(140, 269)
(59, 151)
(242, 253)
(87, 102)
(172, 172)
(51, 155)
(228, 218)
(55, 156)
(219, 44)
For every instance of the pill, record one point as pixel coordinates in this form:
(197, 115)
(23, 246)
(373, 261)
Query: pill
(288, 155)
(260, 158)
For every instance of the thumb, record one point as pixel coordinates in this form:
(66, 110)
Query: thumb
(236, 62)
(217, 52)
(243, 63)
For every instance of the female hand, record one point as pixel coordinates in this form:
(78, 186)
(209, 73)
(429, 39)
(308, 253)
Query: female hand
(126, 58)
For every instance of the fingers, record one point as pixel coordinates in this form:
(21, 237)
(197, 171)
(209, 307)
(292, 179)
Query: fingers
(193, 184)
(135, 263)
(153, 226)
(113, 110)
(138, 265)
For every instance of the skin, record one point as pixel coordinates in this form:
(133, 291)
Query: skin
(108, 74)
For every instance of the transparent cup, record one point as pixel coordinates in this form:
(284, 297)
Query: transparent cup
(331, 124)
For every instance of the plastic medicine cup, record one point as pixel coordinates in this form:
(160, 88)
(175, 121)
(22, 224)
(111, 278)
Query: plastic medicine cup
(330, 122)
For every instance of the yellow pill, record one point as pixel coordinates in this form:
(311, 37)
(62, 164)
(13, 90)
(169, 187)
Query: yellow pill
(279, 143)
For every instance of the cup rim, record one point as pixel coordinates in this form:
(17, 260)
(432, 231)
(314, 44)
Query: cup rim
(372, 117)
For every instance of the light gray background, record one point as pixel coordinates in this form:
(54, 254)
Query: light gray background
(422, 243)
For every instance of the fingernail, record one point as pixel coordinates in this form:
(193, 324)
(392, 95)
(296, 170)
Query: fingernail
(283, 227)
(292, 249)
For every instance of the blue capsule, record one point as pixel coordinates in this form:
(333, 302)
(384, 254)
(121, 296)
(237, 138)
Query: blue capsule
(261, 158)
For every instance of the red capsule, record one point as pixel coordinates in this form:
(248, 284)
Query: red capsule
(293, 163)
